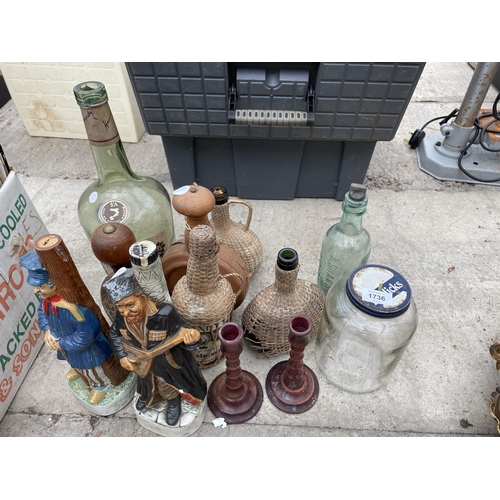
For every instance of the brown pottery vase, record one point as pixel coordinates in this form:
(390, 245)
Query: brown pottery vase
(195, 202)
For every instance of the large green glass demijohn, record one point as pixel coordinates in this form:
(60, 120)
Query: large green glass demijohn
(119, 195)
(347, 244)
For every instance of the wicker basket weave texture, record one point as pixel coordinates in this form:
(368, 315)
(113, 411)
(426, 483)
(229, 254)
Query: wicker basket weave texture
(237, 236)
(266, 318)
(202, 297)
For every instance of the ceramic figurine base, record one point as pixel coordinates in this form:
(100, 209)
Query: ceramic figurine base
(116, 397)
(189, 422)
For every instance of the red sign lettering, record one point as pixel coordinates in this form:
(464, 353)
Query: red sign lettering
(26, 348)
(5, 388)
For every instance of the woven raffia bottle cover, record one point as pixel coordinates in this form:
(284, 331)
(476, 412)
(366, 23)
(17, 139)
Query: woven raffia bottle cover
(203, 298)
(266, 318)
(195, 202)
(239, 237)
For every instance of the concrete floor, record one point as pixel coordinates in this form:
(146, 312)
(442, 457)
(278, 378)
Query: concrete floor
(442, 236)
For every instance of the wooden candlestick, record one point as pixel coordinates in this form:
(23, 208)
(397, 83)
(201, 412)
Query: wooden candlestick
(235, 395)
(291, 385)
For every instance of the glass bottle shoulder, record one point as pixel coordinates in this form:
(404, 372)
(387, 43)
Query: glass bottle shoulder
(346, 236)
(134, 189)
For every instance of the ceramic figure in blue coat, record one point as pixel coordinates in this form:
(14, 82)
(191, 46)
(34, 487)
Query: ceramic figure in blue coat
(74, 332)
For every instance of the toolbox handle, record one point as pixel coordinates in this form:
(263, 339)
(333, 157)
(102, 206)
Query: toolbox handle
(276, 117)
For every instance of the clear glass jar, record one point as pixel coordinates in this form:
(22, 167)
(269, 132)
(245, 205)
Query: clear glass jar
(368, 321)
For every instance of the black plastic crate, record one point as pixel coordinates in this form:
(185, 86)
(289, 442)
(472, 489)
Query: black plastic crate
(272, 130)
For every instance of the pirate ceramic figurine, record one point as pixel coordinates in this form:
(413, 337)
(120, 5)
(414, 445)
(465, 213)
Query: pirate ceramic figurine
(74, 332)
(152, 340)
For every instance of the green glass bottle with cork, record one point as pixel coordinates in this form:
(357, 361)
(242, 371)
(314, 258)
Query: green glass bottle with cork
(119, 194)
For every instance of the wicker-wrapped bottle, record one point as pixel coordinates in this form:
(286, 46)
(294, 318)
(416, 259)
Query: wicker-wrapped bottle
(203, 298)
(267, 317)
(195, 202)
(237, 236)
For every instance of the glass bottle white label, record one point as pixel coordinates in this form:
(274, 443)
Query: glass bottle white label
(113, 211)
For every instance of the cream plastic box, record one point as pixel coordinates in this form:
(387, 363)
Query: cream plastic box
(43, 95)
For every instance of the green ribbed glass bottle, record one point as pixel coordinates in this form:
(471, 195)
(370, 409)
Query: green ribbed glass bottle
(119, 195)
(347, 244)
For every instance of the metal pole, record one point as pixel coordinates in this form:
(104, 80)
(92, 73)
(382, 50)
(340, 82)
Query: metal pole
(476, 93)
(459, 132)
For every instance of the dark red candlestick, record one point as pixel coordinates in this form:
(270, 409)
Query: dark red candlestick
(291, 385)
(235, 395)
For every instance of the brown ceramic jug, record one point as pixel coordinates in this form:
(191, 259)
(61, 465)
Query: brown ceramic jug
(195, 202)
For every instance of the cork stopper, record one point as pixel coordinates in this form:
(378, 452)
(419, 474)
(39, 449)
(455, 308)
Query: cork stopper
(357, 192)
(220, 194)
(143, 253)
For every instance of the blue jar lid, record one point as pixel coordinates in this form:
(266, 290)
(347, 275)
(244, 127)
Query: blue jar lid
(379, 291)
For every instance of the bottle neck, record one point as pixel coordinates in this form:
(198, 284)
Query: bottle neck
(107, 148)
(352, 217)
(202, 274)
(192, 222)
(112, 163)
(286, 281)
(220, 217)
(202, 271)
(352, 223)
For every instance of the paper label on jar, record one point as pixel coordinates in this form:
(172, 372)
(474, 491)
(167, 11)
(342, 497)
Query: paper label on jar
(377, 297)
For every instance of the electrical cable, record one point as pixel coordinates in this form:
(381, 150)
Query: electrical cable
(494, 108)
(479, 134)
(479, 131)
(418, 136)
